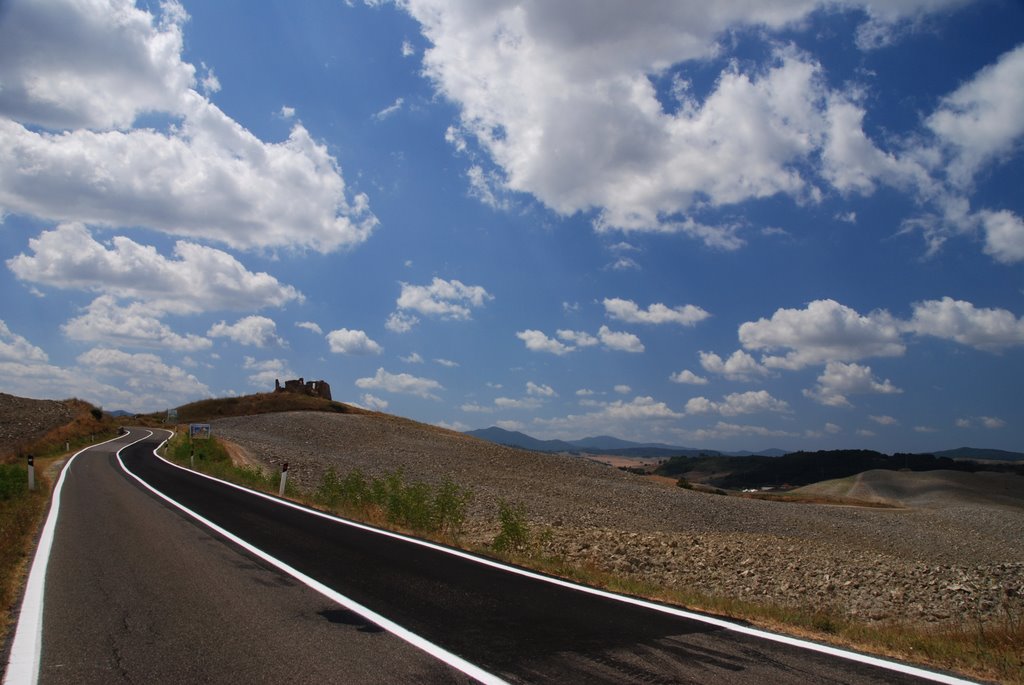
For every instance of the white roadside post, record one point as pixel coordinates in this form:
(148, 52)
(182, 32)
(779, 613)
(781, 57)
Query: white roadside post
(284, 479)
(31, 472)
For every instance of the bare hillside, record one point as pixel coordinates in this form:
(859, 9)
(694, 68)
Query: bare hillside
(933, 563)
(22, 420)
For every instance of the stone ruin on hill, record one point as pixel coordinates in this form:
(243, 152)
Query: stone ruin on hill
(301, 387)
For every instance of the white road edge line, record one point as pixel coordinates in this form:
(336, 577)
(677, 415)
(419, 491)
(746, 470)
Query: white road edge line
(682, 613)
(415, 640)
(23, 663)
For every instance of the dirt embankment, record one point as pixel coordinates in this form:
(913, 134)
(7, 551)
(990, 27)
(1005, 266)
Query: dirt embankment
(23, 420)
(956, 560)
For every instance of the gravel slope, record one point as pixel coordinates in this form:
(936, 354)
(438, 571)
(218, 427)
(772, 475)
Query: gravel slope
(22, 419)
(947, 562)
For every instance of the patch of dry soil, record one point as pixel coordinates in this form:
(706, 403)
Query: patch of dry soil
(957, 559)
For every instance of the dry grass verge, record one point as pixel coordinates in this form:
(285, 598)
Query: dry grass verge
(20, 517)
(990, 651)
(22, 511)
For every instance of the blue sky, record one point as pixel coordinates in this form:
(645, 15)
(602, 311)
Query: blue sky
(799, 225)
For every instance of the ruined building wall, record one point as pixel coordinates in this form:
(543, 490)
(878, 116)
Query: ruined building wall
(301, 387)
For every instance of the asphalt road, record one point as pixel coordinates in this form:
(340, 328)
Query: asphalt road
(138, 591)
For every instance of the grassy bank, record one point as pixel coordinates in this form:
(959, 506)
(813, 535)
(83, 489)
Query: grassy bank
(21, 510)
(20, 514)
(390, 501)
(210, 457)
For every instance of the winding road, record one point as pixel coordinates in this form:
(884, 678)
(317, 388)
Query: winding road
(156, 574)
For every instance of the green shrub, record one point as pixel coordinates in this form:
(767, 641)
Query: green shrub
(514, 536)
(411, 506)
(13, 481)
(414, 506)
(329, 492)
(355, 490)
(450, 504)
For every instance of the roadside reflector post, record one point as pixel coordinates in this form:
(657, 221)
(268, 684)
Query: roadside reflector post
(31, 472)
(192, 458)
(284, 479)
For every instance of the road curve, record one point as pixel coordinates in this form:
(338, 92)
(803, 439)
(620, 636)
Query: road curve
(138, 591)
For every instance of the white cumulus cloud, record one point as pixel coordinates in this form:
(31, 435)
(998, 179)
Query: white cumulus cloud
(620, 341)
(264, 372)
(310, 326)
(688, 377)
(15, 348)
(374, 402)
(657, 313)
(198, 279)
(823, 331)
(566, 110)
(250, 330)
(982, 328)
(71, 152)
(144, 371)
(840, 379)
(106, 320)
(1004, 236)
(754, 401)
(540, 390)
(537, 341)
(401, 383)
(345, 341)
(400, 322)
(444, 299)
(620, 417)
(740, 366)
(577, 338)
(981, 119)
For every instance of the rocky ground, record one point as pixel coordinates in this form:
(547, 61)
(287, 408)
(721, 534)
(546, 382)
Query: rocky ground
(956, 561)
(23, 419)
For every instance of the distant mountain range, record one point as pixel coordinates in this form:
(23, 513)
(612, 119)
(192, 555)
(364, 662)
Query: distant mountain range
(612, 446)
(604, 444)
(980, 454)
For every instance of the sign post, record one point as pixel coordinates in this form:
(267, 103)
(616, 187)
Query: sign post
(284, 479)
(199, 431)
(31, 472)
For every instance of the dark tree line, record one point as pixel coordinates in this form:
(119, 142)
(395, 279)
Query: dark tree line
(803, 468)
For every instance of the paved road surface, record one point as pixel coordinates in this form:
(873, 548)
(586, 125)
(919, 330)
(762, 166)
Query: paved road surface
(137, 591)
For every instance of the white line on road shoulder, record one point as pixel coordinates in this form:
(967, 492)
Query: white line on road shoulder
(23, 664)
(423, 644)
(682, 613)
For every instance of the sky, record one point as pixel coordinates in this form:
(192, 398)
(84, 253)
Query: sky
(728, 225)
